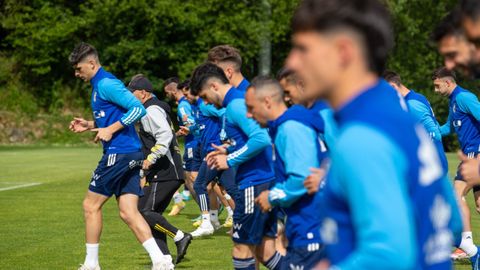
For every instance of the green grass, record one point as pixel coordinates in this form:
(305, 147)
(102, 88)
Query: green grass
(42, 226)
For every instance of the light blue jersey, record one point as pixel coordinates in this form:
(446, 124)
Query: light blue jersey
(464, 120)
(421, 109)
(185, 117)
(298, 148)
(387, 200)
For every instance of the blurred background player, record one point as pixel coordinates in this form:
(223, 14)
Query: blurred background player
(162, 167)
(339, 49)
(295, 133)
(452, 44)
(115, 111)
(294, 89)
(185, 119)
(209, 119)
(418, 106)
(470, 21)
(251, 153)
(228, 58)
(464, 120)
(208, 220)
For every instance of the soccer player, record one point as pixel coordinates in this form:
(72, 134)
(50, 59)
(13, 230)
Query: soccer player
(295, 88)
(464, 120)
(228, 58)
(470, 20)
(418, 105)
(387, 201)
(457, 52)
(162, 166)
(250, 151)
(295, 133)
(115, 111)
(209, 120)
(185, 119)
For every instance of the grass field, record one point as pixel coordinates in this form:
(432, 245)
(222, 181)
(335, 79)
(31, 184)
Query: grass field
(41, 190)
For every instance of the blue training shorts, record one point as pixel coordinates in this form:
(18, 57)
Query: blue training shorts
(118, 174)
(250, 224)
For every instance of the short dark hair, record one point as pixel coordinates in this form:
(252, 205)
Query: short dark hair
(184, 84)
(225, 53)
(203, 73)
(171, 80)
(261, 82)
(449, 25)
(369, 18)
(443, 72)
(470, 9)
(81, 51)
(392, 77)
(287, 74)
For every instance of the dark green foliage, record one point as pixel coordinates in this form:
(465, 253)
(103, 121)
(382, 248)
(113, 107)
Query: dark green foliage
(162, 38)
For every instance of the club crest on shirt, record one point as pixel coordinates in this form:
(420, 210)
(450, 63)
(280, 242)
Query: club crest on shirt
(437, 248)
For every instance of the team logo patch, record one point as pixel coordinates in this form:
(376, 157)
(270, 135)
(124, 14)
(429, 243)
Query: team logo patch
(329, 231)
(134, 163)
(437, 248)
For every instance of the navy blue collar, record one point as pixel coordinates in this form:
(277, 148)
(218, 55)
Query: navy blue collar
(455, 92)
(244, 84)
(300, 114)
(318, 106)
(232, 94)
(101, 74)
(199, 102)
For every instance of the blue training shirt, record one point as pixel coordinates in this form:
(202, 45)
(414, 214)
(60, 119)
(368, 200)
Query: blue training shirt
(243, 86)
(185, 117)
(251, 146)
(298, 147)
(464, 119)
(111, 102)
(388, 202)
(421, 109)
(331, 129)
(213, 125)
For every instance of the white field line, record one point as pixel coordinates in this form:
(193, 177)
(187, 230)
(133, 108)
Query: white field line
(20, 186)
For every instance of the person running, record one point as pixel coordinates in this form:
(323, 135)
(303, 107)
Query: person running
(115, 111)
(384, 165)
(296, 135)
(250, 152)
(162, 166)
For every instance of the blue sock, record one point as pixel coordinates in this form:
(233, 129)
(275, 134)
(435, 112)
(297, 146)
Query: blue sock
(244, 264)
(275, 262)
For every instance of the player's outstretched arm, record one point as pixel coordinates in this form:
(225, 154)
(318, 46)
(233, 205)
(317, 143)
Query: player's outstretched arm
(78, 125)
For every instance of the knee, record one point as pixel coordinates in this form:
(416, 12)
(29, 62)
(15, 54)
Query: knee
(126, 215)
(242, 251)
(90, 207)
